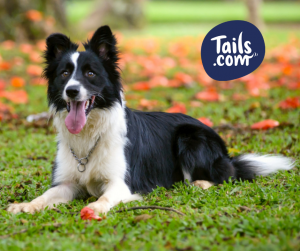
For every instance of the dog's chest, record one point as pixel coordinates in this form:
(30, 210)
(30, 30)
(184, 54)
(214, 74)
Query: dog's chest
(105, 162)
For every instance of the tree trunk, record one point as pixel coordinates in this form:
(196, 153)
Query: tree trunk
(254, 15)
(117, 14)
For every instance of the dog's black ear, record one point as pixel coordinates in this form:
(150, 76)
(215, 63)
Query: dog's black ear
(103, 43)
(57, 44)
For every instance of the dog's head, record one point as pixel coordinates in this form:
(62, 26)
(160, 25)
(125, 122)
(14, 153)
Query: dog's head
(81, 81)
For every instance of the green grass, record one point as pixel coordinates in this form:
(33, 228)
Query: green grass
(214, 218)
(197, 12)
(185, 11)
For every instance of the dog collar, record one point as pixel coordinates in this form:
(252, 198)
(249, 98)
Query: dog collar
(83, 161)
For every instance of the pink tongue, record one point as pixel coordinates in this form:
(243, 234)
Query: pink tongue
(76, 118)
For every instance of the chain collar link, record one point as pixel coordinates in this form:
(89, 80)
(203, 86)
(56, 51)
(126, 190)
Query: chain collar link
(83, 161)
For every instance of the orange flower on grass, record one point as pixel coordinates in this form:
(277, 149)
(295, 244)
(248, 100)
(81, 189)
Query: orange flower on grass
(2, 84)
(8, 44)
(183, 78)
(41, 45)
(265, 124)
(87, 213)
(34, 15)
(290, 103)
(210, 94)
(158, 81)
(17, 97)
(38, 81)
(141, 86)
(5, 66)
(34, 70)
(206, 121)
(147, 104)
(35, 57)
(177, 108)
(17, 81)
(287, 69)
(26, 48)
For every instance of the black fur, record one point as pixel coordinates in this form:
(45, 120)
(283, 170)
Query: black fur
(160, 145)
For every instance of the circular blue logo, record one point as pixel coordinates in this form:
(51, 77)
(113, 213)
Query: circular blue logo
(232, 50)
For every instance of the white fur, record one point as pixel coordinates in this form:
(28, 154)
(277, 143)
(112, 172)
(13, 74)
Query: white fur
(105, 172)
(54, 196)
(83, 92)
(267, 164)
(187, 175)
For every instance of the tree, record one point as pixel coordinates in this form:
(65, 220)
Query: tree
(29, 20)
(117, 14)
(254, 15)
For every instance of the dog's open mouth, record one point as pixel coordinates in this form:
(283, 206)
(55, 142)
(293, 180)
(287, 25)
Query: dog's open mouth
(78, 111)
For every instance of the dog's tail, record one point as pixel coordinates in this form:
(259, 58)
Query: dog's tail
(250, 165)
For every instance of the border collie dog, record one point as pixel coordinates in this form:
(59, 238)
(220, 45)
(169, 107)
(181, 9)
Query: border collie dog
(106, 150)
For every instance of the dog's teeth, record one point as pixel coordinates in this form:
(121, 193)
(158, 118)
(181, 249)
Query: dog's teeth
(87, 104)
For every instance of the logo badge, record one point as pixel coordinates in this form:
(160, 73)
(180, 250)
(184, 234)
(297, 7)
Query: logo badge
(232, 50)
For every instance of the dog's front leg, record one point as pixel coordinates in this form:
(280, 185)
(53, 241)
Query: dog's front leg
(59, 194)
(115, 191)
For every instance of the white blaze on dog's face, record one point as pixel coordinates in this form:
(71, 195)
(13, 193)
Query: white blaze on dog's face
(82, 81)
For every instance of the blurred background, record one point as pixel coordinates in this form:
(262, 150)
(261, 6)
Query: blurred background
(160, 43)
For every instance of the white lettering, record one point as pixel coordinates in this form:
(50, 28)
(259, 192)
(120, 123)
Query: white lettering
(248, 49)
(227, 60)
(219, 60)
(226, 48)
(218, 38)
(240, 44)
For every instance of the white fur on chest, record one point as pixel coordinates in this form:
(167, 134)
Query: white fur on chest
(106, 163)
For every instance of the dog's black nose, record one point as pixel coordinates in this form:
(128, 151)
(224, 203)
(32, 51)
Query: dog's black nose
(72, 91)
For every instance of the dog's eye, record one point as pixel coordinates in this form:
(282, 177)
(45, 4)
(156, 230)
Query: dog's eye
(90, 74)
(65, 74)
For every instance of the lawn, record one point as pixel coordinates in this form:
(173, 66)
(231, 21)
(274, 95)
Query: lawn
(196, 12)
(165, 74)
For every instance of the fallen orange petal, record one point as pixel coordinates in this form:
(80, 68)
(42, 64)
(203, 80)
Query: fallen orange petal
(26, 48)
(183, 77)
(265, 124)
(38, 81)
(34, 70)
(2, 84)
(35, 57)
(208, 96)
(87, 213)
(41, 45)
(5, 66)
(8, 44)
(158, 81)
(34, 15)
(206, 121)
(148, 104)
(17, 81)
(141, 86)
(177, 108)
(290, 103)
(18, 97)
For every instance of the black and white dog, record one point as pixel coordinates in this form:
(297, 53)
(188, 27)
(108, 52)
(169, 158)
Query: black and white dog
(127, 152)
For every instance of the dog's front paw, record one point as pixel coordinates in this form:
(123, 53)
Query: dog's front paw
(100, 206)
(30, 207)
(204, 184)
